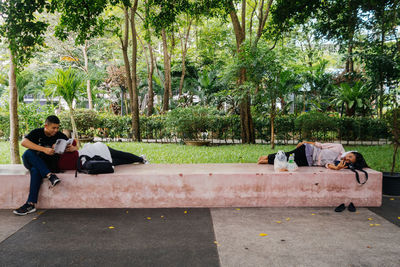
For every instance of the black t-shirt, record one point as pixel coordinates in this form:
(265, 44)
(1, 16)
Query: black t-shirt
(38, 137)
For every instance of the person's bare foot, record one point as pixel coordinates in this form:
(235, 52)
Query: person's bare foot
(263, 160)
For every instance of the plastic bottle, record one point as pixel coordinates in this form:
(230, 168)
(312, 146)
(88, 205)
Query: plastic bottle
(292, 166)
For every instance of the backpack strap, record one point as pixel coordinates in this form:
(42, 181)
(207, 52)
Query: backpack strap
(79, 164)
(357, 175)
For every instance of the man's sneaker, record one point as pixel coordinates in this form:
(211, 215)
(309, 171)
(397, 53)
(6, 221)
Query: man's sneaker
(145, 161)
(25, 209)
(54, 180)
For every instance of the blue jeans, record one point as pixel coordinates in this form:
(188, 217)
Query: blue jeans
(38, 171)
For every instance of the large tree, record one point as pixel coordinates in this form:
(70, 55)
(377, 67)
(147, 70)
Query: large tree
(87, 21)
(23, 31)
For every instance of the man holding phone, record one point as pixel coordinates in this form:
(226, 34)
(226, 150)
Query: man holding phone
(40, 159)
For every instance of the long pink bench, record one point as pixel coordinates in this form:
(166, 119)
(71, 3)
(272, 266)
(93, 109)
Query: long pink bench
(194, 185)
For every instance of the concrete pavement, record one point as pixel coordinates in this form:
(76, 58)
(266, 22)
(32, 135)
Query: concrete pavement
(203, 237)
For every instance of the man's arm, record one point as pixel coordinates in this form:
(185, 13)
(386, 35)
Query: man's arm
(30, 145)
(73, 147)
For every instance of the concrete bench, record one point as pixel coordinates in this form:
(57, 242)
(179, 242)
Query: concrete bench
(194, 185)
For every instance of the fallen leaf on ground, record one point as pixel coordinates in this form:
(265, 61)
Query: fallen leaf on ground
(127, 211)
(111, 227)
(370, 219)
(312, 213)
(377, 224)
(369, 247)
(287, 219)
(40, 212)
(278, 221)
(263, 234)
(371, 224)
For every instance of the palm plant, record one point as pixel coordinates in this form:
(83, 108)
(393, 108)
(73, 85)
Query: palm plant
(67, 84)
(352, 97)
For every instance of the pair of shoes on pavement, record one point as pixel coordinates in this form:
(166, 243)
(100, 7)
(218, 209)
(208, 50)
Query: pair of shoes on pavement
(145, 161)
(342, 207)
(29, 208)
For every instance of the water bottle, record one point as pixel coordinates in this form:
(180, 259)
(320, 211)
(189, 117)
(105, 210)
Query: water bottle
(291, 164)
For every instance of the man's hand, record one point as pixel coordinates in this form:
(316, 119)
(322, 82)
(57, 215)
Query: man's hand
(48, 151)
(71, 148)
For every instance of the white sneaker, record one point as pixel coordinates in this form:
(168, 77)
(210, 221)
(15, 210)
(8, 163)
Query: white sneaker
(145, 161)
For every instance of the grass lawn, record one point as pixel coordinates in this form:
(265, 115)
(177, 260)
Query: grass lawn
(378, 157)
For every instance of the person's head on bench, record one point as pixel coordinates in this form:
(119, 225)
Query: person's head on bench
(51, 125)
(356, 159)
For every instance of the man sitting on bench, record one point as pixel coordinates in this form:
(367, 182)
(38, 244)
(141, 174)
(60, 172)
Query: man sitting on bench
(41, 160)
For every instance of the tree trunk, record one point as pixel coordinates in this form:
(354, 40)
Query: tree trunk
(14, 129)
(150, 103)
(124, 47)
(246, 121)
(88, 90)
(134, 91)
(184, 52)
(74, 134)
(167, 72)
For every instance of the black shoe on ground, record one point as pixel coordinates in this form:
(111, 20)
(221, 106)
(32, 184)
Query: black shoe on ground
(351, 207)
(340, 208)
(25, 209)
(54, 180)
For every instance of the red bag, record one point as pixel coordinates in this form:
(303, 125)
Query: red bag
(68, 160)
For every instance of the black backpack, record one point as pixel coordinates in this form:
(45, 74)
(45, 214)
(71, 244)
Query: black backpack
(93, 165)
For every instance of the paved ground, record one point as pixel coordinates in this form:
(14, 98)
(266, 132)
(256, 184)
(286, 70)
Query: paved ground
(203, 237)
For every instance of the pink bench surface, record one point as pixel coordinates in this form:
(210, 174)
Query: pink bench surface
(195, 185)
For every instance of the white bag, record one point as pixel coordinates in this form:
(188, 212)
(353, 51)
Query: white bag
(280, 162)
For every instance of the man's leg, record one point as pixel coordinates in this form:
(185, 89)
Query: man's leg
(120, 157)
(36, 181)
(31, 159)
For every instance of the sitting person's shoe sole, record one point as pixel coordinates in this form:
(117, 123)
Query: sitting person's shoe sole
(24, 210)
(54, 180)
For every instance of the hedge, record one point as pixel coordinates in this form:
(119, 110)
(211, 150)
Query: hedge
(190, 123)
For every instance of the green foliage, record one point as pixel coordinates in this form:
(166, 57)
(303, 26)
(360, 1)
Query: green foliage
(67, 84)
(4, 125)
(114, 126)
(310, 124)
(86, 121)
(22, 29)
(32, 116)
(189, 122)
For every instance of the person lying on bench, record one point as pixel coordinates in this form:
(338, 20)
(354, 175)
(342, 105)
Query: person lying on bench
(68, 161)
(330, 155)
(40, 159)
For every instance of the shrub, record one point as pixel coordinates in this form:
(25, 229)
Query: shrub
(190, 122)
(86, 121)
(315, 125)
(4, 125)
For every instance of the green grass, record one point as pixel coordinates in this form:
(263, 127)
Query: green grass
(378, 157)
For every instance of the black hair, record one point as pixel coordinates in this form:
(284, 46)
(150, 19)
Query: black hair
(360, 161)
(52, 119)
(359, 165)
